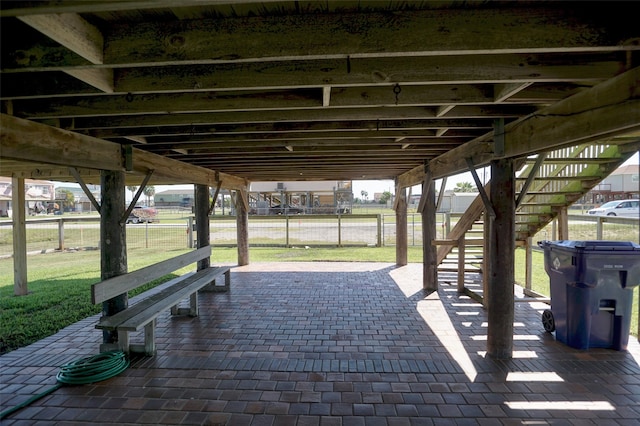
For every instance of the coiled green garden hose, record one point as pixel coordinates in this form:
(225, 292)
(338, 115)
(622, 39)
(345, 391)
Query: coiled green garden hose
(87, 370)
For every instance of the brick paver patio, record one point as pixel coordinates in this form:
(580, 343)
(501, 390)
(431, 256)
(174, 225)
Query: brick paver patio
(332, 344)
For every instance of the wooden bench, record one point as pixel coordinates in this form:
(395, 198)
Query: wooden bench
(144, 312)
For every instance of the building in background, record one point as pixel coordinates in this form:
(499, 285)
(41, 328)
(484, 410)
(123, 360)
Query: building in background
(39, 196)
(621, 184)
(317, 197)
(81, 202)
(174, 198)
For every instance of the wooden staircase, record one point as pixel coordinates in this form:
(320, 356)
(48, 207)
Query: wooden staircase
(545, 185)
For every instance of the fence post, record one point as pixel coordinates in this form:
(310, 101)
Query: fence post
(286, 221)
(447, 224)
(599, 227)
(146, 234)
(528, 264)
(60, 234)
(379, 233)
(339, 230)
(413, 229)
(190, 232)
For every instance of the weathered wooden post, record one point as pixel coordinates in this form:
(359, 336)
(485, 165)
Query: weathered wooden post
(427, 208)
(18, 197)
(242, 222)
(563, 223)
(501, 297)
(461, 263)
(401, 226)
(202, 221)
(113, 241)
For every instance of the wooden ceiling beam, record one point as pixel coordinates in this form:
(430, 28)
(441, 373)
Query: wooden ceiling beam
(407, 33)
(612, 107)
(381, 114)
(289, 127)
(503, 69)
(80, 37)
(26, 141)
(135, 104)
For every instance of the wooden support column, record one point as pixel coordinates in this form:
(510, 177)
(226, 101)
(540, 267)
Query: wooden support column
(242, 221)
(401, 226)
(528, 265)
(202, 221)
(113, 241)
(563, 223)
(461, 264)
(18, 200)
(501, 298)
(429, 251)
(486, 265)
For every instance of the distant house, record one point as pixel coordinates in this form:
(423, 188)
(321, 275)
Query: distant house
(456, 202)
(81, 203)
(622, 183)
(174, 198)
(39, 196)
(310, 196)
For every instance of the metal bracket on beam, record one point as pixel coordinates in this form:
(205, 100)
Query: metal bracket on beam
(532, 175)
(127, 156)
(498, 138)
(85, 188)
(483, 194)
(136, 197)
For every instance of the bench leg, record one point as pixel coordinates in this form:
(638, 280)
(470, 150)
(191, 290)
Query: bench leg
(193, 303)
(150, 338)
(227, 280)
(220, 288)
(123, 340)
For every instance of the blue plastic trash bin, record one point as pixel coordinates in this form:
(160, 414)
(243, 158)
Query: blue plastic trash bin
(592, 286)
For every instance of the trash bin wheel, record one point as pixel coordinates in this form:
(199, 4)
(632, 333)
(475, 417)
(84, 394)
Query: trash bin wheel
(548, 322)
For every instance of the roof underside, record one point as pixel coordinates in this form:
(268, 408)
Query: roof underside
(282, 91)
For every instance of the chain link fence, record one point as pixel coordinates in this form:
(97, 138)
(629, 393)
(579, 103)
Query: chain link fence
(373, 230)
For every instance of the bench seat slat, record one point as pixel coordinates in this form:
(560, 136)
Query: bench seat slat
(138, 315)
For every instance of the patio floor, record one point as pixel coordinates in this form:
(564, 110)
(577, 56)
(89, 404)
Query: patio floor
(331, 344)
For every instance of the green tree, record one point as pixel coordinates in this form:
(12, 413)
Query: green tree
(386, 196)
(464, 187)
(67, 198)
(364, 194)
(149, 191)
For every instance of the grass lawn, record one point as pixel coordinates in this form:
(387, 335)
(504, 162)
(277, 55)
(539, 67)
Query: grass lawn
(59, 283)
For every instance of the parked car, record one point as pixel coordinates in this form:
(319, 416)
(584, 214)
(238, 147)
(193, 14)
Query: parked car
(285, 209)
(623, 208)
(141, 214)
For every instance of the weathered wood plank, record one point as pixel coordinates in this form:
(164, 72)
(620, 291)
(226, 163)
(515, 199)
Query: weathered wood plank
(140, 314)
(29, 141)
(112, 287)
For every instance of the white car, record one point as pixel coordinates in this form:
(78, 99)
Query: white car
(624, 208)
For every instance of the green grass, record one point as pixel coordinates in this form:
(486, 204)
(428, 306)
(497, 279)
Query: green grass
(59, 283)
(59, 293)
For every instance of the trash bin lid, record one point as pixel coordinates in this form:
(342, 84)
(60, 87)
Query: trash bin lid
(595, 245)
